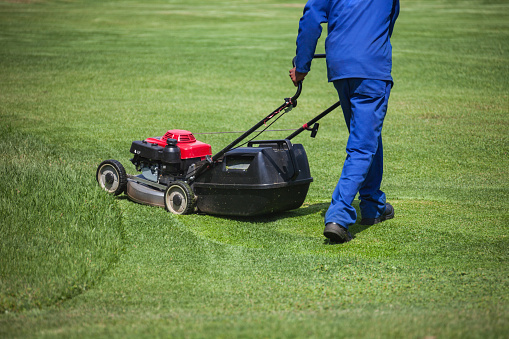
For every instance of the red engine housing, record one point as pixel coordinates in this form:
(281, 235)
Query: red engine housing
(189, 146)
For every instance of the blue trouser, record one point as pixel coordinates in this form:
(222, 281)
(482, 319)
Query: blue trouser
(364, 104)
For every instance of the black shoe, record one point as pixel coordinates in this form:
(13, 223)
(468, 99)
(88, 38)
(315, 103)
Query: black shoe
(336, 233)
(388, 214)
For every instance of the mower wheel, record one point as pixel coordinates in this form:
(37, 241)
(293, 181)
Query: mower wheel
(179, 198)
(111, 177)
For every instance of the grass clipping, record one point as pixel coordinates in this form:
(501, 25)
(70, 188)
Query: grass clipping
(58, 231)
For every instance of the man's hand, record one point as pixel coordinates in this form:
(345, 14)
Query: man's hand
(296, 76)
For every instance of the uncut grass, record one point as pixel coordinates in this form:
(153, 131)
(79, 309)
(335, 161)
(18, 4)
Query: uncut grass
(58, 234)
(100, 75)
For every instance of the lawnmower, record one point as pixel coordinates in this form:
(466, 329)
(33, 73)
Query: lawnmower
(180, 173)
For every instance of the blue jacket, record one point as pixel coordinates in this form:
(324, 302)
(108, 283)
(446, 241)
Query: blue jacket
(358, 41)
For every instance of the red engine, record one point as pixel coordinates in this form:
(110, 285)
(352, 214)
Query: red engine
(170, 157)
(189, 146)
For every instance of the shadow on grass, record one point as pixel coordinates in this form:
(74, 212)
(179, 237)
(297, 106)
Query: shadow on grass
(306, 209)
(300, 212)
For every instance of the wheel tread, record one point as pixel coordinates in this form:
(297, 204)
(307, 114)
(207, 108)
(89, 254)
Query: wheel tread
(191, 198)
(122, 176)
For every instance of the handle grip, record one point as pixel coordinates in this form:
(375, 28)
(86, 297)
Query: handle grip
(299, 84)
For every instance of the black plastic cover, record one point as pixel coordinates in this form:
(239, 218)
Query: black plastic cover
(250, 181)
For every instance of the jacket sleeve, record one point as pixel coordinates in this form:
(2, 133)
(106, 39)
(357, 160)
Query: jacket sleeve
(394, 15)
(310, 29)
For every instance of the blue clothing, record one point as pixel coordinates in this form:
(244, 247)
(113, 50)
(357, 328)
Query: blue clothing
(364, 104)
(358, 40)
(359, 63)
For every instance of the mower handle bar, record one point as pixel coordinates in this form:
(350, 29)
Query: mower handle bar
(288, 102)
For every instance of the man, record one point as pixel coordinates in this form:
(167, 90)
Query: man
(359, 63)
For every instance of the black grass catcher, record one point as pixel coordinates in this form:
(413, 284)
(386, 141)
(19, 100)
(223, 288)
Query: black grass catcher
(180, 173)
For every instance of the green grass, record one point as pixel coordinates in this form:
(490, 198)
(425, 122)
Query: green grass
(80, 80)
(58, 233)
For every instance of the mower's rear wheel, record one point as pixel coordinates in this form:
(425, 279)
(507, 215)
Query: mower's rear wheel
(179, 198)
(111, 177)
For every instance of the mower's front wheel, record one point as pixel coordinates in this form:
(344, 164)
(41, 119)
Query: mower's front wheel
(111, 177)
(179, 198)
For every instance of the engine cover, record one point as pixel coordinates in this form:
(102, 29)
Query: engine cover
(154, 148)
(189, 146)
